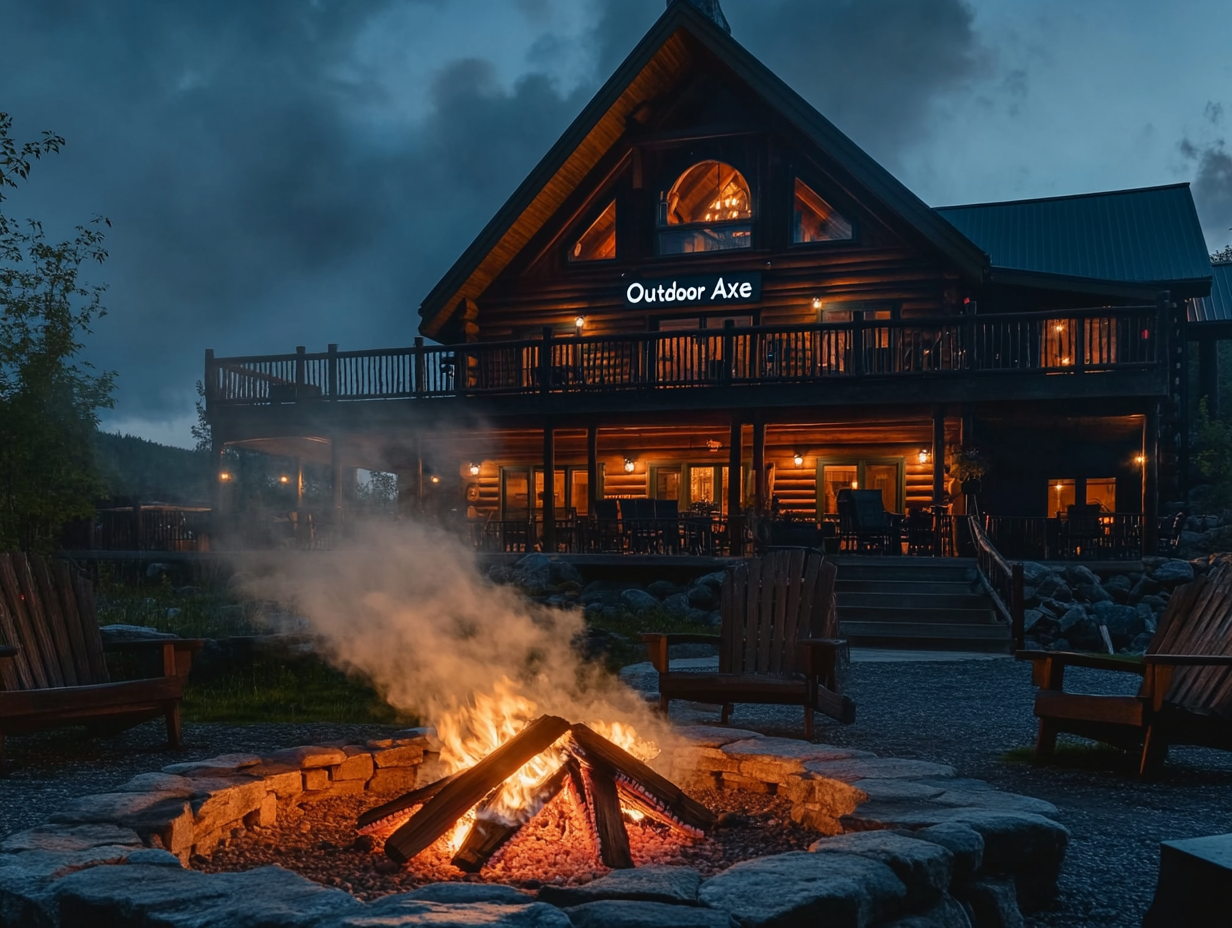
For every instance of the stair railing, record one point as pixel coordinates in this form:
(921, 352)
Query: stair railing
(1001, 578)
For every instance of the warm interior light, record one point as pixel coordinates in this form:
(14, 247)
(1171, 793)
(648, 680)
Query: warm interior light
(1058, 488)
(435, 479)
(474, 469)
(924, 455)
(284, 479)
(1140, 459)
(799, 459)
(1059, 327)
(629, 465)
(855, 485)
(224, 476)
(816, 302)
(580, 323)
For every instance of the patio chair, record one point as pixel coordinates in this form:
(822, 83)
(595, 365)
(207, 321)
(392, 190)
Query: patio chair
(777, 642)
(1186, 691)
(607, 536)
(52, 668)
(667, 522)
(641, 529)
(865, 525)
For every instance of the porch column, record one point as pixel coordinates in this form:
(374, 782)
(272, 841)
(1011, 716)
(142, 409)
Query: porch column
(299, 482)
(735, 460)
(592, 466)
(759, 468)
(1150, 479)
(218, 488)
(938, 456)
(1208, 374)
(549, 487)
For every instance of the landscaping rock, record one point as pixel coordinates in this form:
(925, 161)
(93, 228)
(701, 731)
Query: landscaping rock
(65, 839)
(924, 867)
(963, 842)
(888, 790)
(703, 596)
(880, 768)
(713, 580)
(269, 897)
(839, 890)
(663, 589)
(698, 616)
(1074, 616)
(993, 902)
(402, 910)
(710, 736)
(460, 893)
(947, 913)
(638, 601)
(676, 604)
(305, 757)
(1031, 847)
(675, 885)
(169, 783)
(1173, 573)
(614, 914)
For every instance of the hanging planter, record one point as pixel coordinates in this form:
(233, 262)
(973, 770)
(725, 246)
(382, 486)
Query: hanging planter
(972, 485)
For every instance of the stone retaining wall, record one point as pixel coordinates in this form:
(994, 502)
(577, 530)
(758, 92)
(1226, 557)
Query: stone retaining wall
(905, 844)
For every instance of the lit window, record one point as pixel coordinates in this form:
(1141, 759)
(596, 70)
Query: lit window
(711, 204)
(1102, 490)
(814, 220)
(598, 243)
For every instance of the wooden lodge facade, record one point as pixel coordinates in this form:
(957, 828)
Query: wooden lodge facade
(706, 295)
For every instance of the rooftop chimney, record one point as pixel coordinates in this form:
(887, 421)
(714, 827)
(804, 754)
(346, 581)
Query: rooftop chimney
(711, 10)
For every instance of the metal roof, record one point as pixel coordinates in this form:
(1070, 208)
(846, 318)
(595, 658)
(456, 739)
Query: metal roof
(1218, 306)
(1148, 235)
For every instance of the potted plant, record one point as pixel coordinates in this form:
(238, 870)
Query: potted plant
(968, 465)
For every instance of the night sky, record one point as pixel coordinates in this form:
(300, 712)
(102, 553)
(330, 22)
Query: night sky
(285, 172)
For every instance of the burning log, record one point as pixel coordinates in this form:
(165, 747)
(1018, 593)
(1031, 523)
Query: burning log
(397, 811)
(443, 810)
(648, 790)
(607, 817)
(488, 835)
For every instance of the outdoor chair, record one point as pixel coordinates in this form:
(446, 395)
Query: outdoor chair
(1186, 691)
(52, 668)
(667, 519)
(641, 529)
(1170, 528)
(777, 641)
(865, 525)
(607, 537)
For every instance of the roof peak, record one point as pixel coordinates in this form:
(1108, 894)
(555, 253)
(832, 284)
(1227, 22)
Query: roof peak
(711, 10)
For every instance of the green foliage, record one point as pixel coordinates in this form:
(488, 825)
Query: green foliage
(134, 469)
(1213, 446)
(49, 399)
(1223, 256)
(212, 612)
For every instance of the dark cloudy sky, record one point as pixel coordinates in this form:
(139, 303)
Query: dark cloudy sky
(283, 172)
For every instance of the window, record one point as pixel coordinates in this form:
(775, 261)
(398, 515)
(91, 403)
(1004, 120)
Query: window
(1093, 491)
(711, 204)
(1061, 495)
(884, 474)
(814, 220)
(598, 243)
(1102, 490)
(570, 491)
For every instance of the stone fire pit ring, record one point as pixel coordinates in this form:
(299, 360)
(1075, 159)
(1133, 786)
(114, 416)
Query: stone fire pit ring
(901, 843)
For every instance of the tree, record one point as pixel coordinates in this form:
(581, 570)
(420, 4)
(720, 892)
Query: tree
(49, 397)
(1223, 256)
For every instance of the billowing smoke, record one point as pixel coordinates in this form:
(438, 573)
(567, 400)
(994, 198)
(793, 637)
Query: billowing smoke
(409, 609)
(1212, 188)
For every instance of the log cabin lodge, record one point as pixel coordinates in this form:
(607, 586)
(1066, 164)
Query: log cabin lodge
(707, 296)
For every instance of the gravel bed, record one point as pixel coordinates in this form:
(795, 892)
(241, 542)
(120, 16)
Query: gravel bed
(964, 713)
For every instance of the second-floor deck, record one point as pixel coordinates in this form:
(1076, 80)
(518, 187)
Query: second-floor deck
(1105, 351)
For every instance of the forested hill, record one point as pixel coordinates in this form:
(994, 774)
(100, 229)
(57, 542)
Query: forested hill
(134, 469)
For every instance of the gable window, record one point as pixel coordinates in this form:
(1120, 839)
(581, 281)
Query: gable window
(709, 208)
(598, 243)
(815, 220)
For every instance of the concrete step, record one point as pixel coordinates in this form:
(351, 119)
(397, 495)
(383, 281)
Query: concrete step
(982, 616)
(910, 587)
(905, 568)
(939, 640)
(911, 601)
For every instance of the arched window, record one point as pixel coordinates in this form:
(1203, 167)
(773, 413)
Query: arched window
(709, 208)
(598, 243)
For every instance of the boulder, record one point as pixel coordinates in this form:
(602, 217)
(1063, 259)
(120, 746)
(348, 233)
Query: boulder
(703, 596)
(1031, 847)
(674, 885)
(994, 903)
(1173, 573)
(663, 589)
(562, 572)
(1034, 572)
(713, 580)
(1030, 618)
(402, 910)
(698, 616)
(467, 893)
(66, 839)
(860, 768)
(963, 842)
(799, 888)
(620, 914)
(924, 867)
(638, 601)
(1080, 575)
(118, 634)
(676, 604)
(946, 913)
(1124, 622)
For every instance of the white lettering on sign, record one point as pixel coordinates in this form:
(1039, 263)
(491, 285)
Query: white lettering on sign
(673, 293)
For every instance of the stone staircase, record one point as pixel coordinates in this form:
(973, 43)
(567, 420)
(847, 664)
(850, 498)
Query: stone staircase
(917, 603)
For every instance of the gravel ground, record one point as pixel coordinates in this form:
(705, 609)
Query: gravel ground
(966, 713)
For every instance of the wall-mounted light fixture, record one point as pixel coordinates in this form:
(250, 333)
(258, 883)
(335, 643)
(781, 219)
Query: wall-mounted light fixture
(799, 459)
(816, 302)
(284, 479)
(629, 466)
(474, 469)
(1139, 459)
(855, 484)
(924, 455)
(435, 479)
(579, 323)
(224, 476)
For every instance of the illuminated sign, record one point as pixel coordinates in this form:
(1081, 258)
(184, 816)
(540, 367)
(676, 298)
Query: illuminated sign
(708, 290)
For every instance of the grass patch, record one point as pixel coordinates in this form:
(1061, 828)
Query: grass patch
(1081, 755)
(622, 645)
(209, 612)
(301, 691)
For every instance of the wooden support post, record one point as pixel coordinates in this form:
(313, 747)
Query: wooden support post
(735, 460)
(545, 362)
(1208, 375)
(938, 476)
(138, 541)
(1150, 479)
(299, 483)
(592, 467)
(760, 503)
(301, 370)
(332, 372)
(549, 486)
(418, 386)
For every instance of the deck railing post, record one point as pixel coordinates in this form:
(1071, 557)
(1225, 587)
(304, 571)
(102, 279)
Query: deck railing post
(417, 368)
(1080, 344)
(461, 371)
(545, 362)
(1016, 605)
(332, 371)
(211, 378)
(857, 345)
(728, 358)
(301, 364)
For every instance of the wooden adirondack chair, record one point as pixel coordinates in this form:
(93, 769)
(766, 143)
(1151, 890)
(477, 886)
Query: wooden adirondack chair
(777, 641)
(52, 668)
(1186, 692)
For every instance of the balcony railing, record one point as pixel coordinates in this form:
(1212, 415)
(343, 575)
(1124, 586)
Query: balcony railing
(1060, 343)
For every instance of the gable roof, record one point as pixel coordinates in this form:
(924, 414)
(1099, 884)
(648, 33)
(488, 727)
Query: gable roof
(663, 53)
(1146, 236)
(1218, 306)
